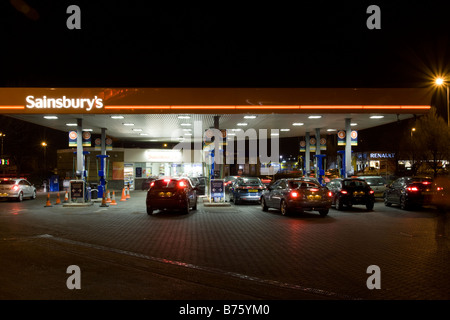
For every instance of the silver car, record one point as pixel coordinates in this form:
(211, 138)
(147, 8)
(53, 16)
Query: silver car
(16, 188)
(377, 183)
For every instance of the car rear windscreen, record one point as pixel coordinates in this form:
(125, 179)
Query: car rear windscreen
(161, 184)
(250, 182)
(375, 181)
(302, 184)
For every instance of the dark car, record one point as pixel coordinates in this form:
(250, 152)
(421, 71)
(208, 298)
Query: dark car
(17, 189)
(297, 194)
(246, 189)
(147, 182)
(351, 191)
(172, 194)
(200, 183)
(408, 192)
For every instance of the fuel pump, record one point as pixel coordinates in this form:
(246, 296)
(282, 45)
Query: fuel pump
(320, 172)
(102, 174)
(341, 163)
(82, 177)
(301, 160)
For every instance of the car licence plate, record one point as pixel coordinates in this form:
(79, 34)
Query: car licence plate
(252, 190)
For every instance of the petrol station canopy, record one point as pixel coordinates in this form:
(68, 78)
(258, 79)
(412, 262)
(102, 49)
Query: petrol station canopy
(153, 114)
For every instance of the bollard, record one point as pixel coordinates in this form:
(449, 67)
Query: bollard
(58, 199)
(48, 204)
(66, 197)
(124, 197)
(104, 204)
(113, 201)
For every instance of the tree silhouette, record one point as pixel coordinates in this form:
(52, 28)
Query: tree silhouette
(431, 141)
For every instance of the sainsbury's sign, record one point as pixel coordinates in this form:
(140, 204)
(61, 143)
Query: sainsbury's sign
(64, 102)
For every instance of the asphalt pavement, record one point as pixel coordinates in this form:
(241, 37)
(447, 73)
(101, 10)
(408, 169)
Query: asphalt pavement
(237, 252)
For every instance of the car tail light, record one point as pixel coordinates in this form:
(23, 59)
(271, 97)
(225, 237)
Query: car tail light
(314, 189)
(152, 184)
(413, 189)
(330, 194)
(166, 180)
(426, 182)
(181, 184)
(343, 191)
(294, 194)
(15, 187)
(371, 192)
(440, 188)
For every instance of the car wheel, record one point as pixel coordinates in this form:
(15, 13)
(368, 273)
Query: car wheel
(403, 204)
(20, 197)
(338, 203)
(195, 204)
(186, 208)
(149, 210)
(369, 206)
(323, 212)
(283, 208)
(33, 196)
(264, 205)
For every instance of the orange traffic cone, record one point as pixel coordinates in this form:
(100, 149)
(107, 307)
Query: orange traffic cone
(124, 197)
(128, 193)
(48, 204)
(104, 204)
(113, 201)
(66, 197)
(58, 199)
(108, 197)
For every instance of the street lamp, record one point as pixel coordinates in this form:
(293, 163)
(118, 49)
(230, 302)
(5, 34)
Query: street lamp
(44, 144)
(412, 146)
(441, 82)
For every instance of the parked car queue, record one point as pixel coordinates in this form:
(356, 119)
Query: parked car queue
(296, 195)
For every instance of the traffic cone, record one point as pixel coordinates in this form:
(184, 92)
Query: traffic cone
(58, 199)
(113, 201)
(66, 197)
(124, 197)
(48, 204)
(108, 197)
(104, 204)
(128, 193)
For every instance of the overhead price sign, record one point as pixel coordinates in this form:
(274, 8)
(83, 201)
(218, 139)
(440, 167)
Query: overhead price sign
(73, 138)
(86, 139)
(341, 138)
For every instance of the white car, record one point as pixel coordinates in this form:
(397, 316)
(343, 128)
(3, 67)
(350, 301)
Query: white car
(16, 188)
(377, 183)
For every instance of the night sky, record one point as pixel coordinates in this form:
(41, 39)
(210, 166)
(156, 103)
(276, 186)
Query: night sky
(226, 44)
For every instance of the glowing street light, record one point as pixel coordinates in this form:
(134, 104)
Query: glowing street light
(441, 82)
(44, 144)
